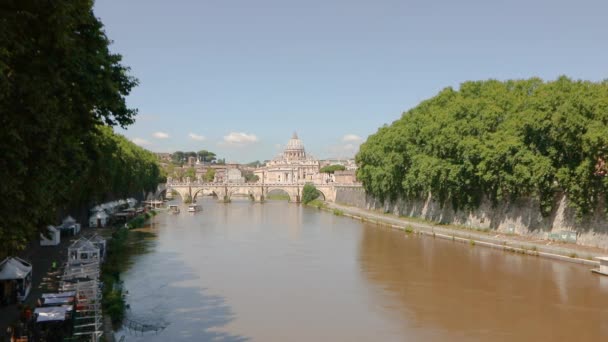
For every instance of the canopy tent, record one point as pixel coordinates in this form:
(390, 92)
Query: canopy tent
(99, 219)
(132, 202)
(53, 313)
(100, 243)
(59, 294)
(53, 239)
(69, 220)
(18, 273)
(69, 226)
(82, 251)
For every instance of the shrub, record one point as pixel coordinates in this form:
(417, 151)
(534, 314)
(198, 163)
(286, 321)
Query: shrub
(309, 193)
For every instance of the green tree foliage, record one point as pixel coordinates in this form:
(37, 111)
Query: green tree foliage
(332, 168)
(250, 177)
(499, 140)
(309, 193)
(178, 157)
(190, 173)
(59, 84)
(209, 175)
(206, 156)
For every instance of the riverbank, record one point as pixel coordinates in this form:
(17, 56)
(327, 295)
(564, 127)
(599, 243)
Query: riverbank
(488, 238)
(122, 245)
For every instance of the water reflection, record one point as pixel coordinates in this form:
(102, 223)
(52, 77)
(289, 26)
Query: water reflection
(282, 272)
(457, 292)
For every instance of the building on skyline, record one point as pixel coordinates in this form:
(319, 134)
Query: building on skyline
(292, 166)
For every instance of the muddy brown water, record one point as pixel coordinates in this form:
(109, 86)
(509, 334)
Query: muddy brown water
(282, 272)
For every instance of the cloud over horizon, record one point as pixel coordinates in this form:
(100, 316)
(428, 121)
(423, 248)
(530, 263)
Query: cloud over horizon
(196, 137)
(351, 138)
(239, 139)
(160, 135)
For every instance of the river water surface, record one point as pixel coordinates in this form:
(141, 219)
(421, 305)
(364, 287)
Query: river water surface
(282, 272)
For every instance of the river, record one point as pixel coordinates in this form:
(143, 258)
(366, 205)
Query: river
(283, 272)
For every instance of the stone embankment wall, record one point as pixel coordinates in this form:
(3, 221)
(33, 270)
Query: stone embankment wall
(520, 217)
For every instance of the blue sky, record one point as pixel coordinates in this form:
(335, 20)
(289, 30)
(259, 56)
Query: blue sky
(238, 77)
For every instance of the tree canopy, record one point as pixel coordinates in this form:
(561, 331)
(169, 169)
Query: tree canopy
(206, 156)
(499, 140)
(332, 168)
(59, 86)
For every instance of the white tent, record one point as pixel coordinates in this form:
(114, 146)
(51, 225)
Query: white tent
(100, 216)
(17, 271)
(69, 224)
(100, 243)
(54, 237)
(82, 251)
(132, 202)
(51, 314)
(68, 221)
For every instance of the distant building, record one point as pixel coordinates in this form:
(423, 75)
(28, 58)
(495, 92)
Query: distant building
(292, 166)
(234, 175)
(192, 161)
(345, 177)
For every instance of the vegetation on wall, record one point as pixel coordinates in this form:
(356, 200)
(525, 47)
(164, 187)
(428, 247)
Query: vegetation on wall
(498, 140)
(332, 168)
(61, 91)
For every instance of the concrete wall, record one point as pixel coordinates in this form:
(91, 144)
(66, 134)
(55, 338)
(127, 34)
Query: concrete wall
(520, 217)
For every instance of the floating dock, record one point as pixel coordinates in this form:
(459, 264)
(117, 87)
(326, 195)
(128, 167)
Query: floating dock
(603, 270)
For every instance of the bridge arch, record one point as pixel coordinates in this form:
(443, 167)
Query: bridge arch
(292, 191)
(204, 192)
(278, 193)
(241, 191)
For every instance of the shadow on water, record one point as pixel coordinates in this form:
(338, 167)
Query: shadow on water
(167, 296)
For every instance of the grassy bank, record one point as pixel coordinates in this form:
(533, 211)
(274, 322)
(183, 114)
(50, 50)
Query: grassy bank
(123, 244)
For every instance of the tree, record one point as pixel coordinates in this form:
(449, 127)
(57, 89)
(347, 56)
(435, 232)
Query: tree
(221, 161)
(250, 177)
(309, 193)
(209, 175)
(256, 163)
(332, 168)
(59, 86)
(190, 173)
(178, 157)
(206, 156)
(495, 140)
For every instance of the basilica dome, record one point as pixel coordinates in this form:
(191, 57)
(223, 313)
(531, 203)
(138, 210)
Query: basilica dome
(295, 143)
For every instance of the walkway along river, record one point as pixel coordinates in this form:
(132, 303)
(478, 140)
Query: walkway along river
(283, 272)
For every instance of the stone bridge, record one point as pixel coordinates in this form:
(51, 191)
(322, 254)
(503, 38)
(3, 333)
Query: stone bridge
(256, 191)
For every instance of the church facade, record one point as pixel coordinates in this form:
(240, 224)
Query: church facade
(293, 166)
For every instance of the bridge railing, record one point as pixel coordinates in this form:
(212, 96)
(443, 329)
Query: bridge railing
(255, 184)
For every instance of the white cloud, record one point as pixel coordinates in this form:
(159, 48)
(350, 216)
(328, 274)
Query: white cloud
(160, 135)
(140, 141)
(239, 139)
(196, 137)
(351, 138)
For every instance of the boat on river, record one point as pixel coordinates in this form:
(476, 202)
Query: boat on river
(174, 209)
(192, 208)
